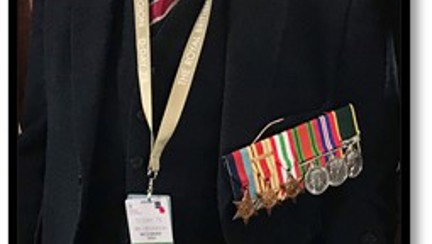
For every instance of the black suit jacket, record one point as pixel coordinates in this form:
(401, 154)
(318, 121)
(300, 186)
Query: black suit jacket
(296, 59)
(280, 58)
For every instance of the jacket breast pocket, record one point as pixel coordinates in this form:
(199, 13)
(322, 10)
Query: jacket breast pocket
(262, 184)
(297, 222)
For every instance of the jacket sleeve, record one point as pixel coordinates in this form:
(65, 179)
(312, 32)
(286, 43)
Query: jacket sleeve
(32, 141)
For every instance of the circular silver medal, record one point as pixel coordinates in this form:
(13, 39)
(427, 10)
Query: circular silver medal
(337, 170)
(316, 180)
(354, 161)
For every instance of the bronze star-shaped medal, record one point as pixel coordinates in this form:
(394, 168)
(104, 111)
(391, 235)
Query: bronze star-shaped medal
(245, 208)
(291, 187)
(269, 198)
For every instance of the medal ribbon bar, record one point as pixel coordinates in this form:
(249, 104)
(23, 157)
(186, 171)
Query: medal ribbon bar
(314, 155)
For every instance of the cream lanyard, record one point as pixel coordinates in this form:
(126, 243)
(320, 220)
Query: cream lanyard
(182, 82)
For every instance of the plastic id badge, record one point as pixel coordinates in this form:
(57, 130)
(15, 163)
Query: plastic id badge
(149, 220)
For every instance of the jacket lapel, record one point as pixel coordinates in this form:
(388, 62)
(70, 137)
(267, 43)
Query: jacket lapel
(253, 42)
(93, 54)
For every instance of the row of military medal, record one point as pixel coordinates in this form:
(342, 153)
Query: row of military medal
(338, 167)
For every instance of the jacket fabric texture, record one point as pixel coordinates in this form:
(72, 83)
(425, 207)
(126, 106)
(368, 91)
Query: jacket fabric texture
(84, 145)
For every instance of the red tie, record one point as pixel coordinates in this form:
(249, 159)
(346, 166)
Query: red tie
(160, 8)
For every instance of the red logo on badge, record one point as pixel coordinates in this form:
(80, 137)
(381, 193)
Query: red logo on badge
(158, 205)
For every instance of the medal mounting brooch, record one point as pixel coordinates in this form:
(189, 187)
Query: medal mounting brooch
(310, 157)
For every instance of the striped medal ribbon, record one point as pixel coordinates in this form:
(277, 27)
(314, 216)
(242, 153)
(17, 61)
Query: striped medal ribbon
(314, 155)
